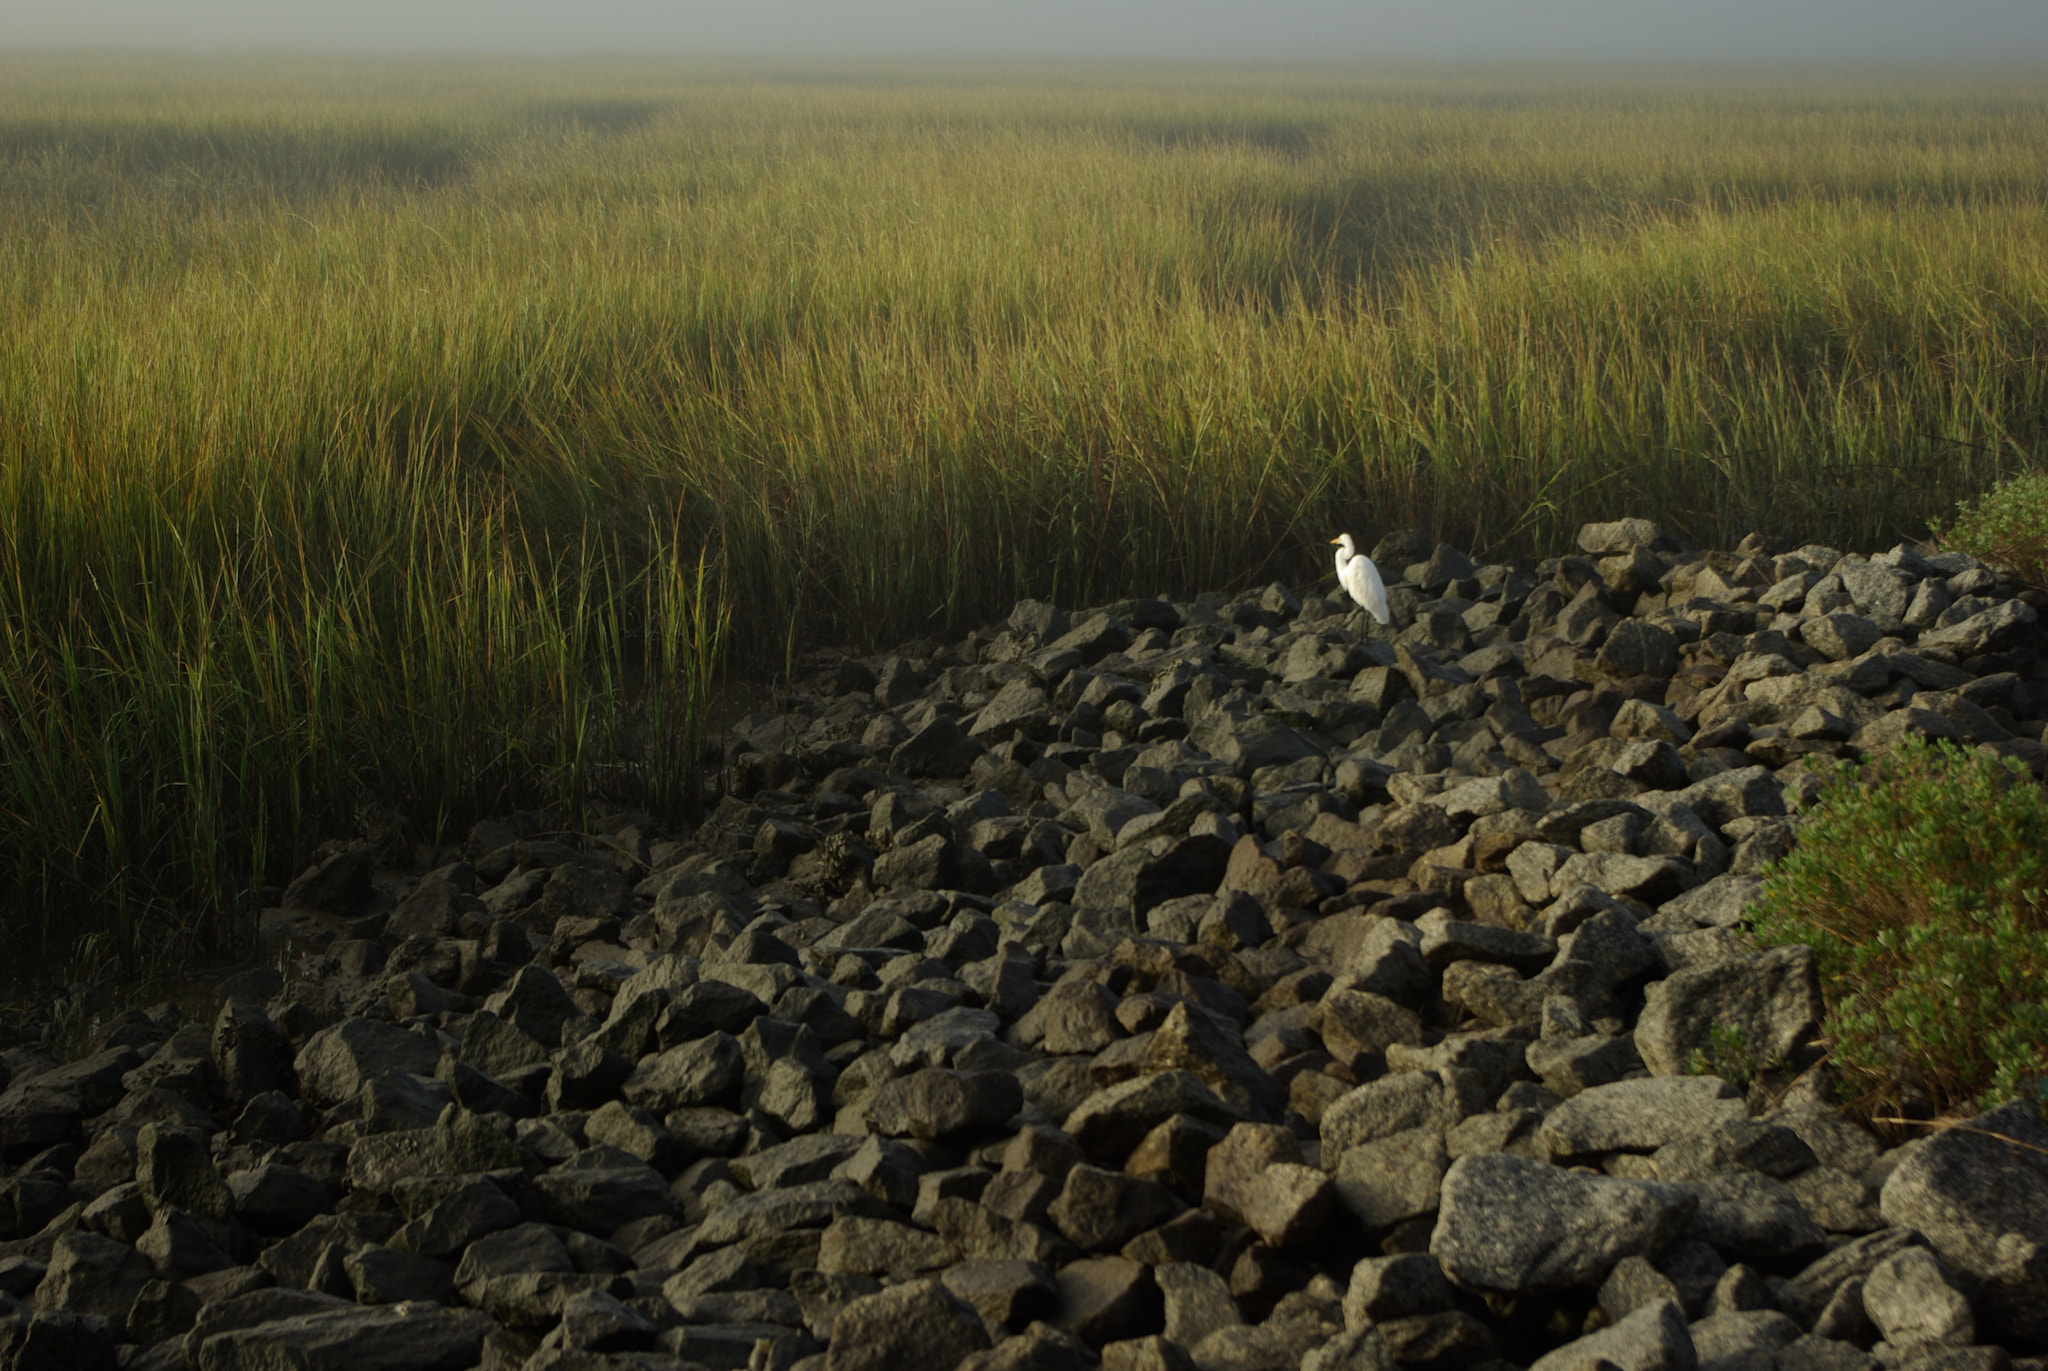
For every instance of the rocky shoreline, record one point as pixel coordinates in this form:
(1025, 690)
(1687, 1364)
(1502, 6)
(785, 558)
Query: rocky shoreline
(1228, 984)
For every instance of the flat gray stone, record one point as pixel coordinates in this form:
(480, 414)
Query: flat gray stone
(1639, 1115)
(400, 1337)
(1717, 903)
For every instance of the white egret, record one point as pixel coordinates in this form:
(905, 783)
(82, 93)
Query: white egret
(1357, 574)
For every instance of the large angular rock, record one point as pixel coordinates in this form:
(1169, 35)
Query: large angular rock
(179, 1247)
(940, 748)
(1981, 631)
(1191, 1040)
(601, 1200)
(1114, 1120)
(1736, 1338)
(706, 1071)
(1621, 535)
(1354, 1349)
(1983, 1202)
(879, 1247)
(1392, 1104)
(933, 1104)
(1003, 1292)
(249, 1052)
(1247, 745)
(1516, 1226)
(1197, 1301)
(338, 1062)
(1102, 1210)
(917, 1326)
(534, 1002)
(174, 1171)
(45, 1110)
(1654, 1338)
(1770, 1001)
(1133, 880)
(1386, 1288)
(1108, 1299)
(1287, 1204)
(934, 862)
(89, 1274)
(1636, 647)
(1911, 1300)
(51, 1340)
(1393, 1179)
(1639, 1115)
(447, 1216)
(1751, 1217)
(1808, 1293)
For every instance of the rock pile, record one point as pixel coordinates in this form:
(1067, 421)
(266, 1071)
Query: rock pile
(1172, 985)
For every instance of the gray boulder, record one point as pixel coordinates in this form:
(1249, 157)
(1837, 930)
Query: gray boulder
(89, 1274)
(1197, 1302)
(1639, 1115)
(1982, 1201)
(1654, 1338)
(940, 748)
(1392, 1104)
(1770, 1001)
(174, 1171)
(338, 1062)
(880, 1247)
(1980, 631)
(1737, 1340)
(1911, 1301)
(534, 1002)
(1393, 1179)
(1386, 1288)
(706, 1071)
(1133, 880)
(53, 1340)
(1112, 1121)
(933, 1104)
(1516, 1226)
(917, 1326)
(1752, 1217)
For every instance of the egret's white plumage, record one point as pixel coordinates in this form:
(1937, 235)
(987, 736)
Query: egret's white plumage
(1358, 576)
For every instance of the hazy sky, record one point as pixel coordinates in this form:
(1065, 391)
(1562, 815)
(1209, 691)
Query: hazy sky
(1803, 30)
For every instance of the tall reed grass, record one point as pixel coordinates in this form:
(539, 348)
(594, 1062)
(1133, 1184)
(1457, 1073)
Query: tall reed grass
(361, 427)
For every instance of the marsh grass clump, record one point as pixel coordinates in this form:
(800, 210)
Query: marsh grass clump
(336, 397)
(2007, 524)
(1921, 883)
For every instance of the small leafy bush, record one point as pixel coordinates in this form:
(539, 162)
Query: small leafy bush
(1729, 1056)
(2009, 524)
(1921, 883)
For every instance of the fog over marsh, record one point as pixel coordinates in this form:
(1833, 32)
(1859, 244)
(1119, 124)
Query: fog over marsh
(1798, 30)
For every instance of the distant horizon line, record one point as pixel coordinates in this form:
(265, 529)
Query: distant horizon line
(1387, 59)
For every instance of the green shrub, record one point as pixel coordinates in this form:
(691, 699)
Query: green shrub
(1921, 883)
(1729, 1056)
(2008, 524)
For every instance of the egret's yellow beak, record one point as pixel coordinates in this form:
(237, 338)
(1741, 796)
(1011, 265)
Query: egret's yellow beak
(1335, 541)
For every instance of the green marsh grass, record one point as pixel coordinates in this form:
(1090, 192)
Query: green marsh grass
(362, 428)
